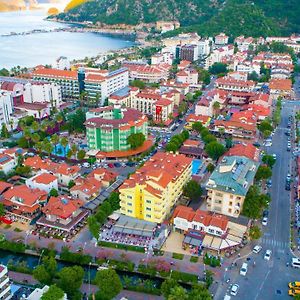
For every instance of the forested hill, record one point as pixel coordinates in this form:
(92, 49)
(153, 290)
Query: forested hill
(234, 17)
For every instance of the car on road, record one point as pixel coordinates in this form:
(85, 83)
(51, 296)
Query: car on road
(294, 285)
(256, 145)
(268, 144)
(287, 186)
(295, 263)
(257, 249)
(130, 164)
(274, 156)
(244, 269)
(234, 289)
(117, 165)
(265, 213)
(288, 177)
(294, 292)
(268, 255)
(264, 221)
(110, 166)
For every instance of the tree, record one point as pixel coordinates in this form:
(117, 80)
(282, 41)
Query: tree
(209, 278)
(81, 154)
(199, 292)
(269, 160)
(136, 140)
(101, 216)
(109, 284)
(4, 131)
(53, 193)
(22, 142)
(178, 292)
(2, 209)
(94, 226)
(53, 293)
(253, 76)
(210, 167)
(167, 286)
(216, 106)
(74, 149)
(192, 190)
(69, 154)
(255, 232)
(106, 207)
(265, 125)
(138, 83)
(263, 173)
(215, 150)
(35, 138)
(197, 126)
(209, 138)
(70, 279)
(71, 184)
(54, 140)
(64, 142)
(45, 272)
(218, 68)
(182, 108)
(48, 148)
(203, 75)
(23, 170)
(4, 72)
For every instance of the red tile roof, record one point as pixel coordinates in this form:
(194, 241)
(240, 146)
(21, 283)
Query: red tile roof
(44, 178)
(55, 73)
(247, 150)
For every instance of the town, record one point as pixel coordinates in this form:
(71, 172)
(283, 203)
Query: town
(153, 172)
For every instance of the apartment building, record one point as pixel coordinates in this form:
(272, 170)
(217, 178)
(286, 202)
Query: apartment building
(231, 84)
(229, 184)
(5, 288)
(152, 191)
(6, 108)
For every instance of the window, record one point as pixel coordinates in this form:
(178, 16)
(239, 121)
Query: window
(148, 201)
(148, 216)
(230, 203)
(129, 211)
(230, 210)
(129, 204)
(148, 208)
(129, 197)
(219, 194)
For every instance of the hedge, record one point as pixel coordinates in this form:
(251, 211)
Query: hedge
(121, 246)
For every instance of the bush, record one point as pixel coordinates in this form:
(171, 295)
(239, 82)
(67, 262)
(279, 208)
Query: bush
(194, 259)
(184, 277)
(76, 258)
(178, 256)
(20, 267)
(211, 260)
(12, 246)
(121, 246)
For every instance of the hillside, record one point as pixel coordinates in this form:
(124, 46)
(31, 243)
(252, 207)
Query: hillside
(234, 17)
(11, 5)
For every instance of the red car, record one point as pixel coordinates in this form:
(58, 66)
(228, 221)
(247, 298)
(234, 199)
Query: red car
(111, 165)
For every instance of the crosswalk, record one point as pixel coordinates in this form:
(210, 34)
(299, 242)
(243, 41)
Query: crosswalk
(279, 246)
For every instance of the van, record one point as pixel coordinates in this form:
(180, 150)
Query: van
(295, 262)
(244, 269)
(227, 297)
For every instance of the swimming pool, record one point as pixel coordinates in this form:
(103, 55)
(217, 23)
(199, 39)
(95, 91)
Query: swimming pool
(196, 165)
(59, 150)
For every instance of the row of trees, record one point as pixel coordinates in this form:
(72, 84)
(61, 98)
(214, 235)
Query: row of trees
(177, 140)
(108, 207)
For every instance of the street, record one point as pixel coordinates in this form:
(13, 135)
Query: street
(269, 279)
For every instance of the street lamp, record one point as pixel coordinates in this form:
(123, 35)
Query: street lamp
(226, 269)
(89, 278)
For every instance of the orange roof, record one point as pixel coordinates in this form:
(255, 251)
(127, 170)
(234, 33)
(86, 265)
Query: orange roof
(280, 84)
(195, 118)
(4, 186)
(23, 195)
(234, 124)
(62, 207)
(44, 178)
(204, 217)
(191, 143)
(65, 169)
(55, 73)
(87, 186)
(160, 170)
(247, 150)
(37, 163)
(104, 174)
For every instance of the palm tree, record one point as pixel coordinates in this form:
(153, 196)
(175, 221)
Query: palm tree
(216, 106)
(35, 126)
(39, 146)
(48, 148)
(35, 137)
(64, 142)
(27, 135)
(74, 149)
(54, 140)
(59, 119)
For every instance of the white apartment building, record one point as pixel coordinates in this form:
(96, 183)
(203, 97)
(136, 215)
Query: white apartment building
(44, 181)
(6, 108)
(5, 289)
(204, 48)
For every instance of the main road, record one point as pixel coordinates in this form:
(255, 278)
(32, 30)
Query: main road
(268, 280)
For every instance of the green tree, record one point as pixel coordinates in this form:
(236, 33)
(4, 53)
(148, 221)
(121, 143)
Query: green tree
(35, 137)
(4, 72)
(22, 142)
(70, 280)
(81, 154)
(54, 293)
(94, 226)
(208, 278)
(263, 173)
(253, 76)
(64, 142)
(54, 140)
(45, 272)
(265, 125)
(109, 284)
(199, 292)
(167, 286)
(255, 232)
(69, 154)
(2, 209)
(210, 167)
(209, 138)
(100, 216)
(136, 140)
(4, 132)
(197, 126)
(203, 75)
(215, 150)
(138, 83)
(48, 148)
(218, 68)
(182, 108)
(71, 184)
(192, 190)
(178, 292)
(23, 170)
(106, 207)
(269, 160)
(53, 193)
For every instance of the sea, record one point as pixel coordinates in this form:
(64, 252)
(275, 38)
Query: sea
(44, 48)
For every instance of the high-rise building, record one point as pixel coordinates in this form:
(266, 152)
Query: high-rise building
(5, 290)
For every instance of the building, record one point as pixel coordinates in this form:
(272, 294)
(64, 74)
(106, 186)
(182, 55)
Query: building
(231, 84)
(245, 149)
(63, 63)
(6, 108)
(95, 82)
(152, 191)
(189, 76)
(203, 229)
(221, 39)
(86, 189)
(7, 163)
(109, 127)
(187, 52)
(281, 88)
(229, 184)
(43, 181)
(5, 288)
(192, 118)
(204, 48)
(37, 294)
(22, 202)
(63, 213)
(66, 173)
(164, 26)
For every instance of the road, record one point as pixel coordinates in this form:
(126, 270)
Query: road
(269, 279)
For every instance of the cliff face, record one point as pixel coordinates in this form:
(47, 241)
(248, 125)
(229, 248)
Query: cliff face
(11, 5)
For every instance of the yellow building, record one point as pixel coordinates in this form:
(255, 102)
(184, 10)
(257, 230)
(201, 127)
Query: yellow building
(152, 191)
(192, 118)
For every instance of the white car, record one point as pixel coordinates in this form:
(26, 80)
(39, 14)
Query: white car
(234, 289)
(244, 269)
(274, 156)
(268, 255)
(268, 144)
(257, 249)
(264, 221)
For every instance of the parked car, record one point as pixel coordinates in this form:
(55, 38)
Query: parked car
(268, 255)
(257, 249)
(117, 165)
(234, 289)
(264, 221)
(111, 165)
(244, 269)
(265, 213)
